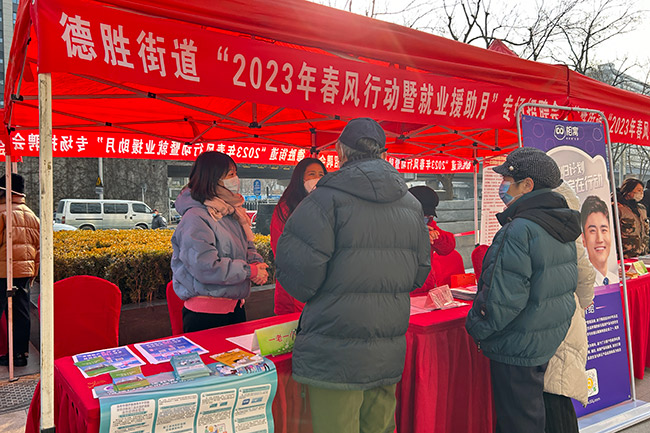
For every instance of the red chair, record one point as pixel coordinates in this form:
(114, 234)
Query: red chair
(175, 308)
(477, 260)
(86, 315)
(86, 318)
(443, 267)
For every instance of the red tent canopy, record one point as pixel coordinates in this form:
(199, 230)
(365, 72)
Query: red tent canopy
(279, 73)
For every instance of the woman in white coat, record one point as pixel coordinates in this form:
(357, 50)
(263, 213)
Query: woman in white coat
(565, 377)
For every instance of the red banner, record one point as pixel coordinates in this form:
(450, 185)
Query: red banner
(88, 39)
(98, 145)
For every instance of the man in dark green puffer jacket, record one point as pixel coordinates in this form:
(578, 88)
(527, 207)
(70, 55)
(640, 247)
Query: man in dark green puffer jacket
(525, 301)
(353, 250)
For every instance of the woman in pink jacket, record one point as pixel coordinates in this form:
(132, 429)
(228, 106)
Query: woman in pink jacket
(442, 243)
(303, 181)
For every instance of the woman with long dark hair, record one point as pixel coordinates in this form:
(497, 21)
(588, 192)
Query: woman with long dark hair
(633, 218)
(214, 259)
(303, 180)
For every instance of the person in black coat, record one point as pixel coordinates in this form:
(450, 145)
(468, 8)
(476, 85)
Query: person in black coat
(158, 221)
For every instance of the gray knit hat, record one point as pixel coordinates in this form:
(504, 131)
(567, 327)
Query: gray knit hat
(533, 163)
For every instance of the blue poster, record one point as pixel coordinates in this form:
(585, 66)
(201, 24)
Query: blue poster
(211, 404)
(580, 150)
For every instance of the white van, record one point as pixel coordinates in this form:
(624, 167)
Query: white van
(103, 214)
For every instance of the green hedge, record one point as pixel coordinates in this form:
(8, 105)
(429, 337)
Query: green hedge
(138, 261)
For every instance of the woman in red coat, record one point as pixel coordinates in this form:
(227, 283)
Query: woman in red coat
(442, 242)
(303, 181)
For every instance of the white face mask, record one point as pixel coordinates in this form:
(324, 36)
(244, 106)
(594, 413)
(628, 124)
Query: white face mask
(638, 196)
(232, 184)
(310, 185)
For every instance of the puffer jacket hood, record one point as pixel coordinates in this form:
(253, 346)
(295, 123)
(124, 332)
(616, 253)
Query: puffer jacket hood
(525, 299)
(549, 210)
(352, 251)
(373, 180)
(185, 202)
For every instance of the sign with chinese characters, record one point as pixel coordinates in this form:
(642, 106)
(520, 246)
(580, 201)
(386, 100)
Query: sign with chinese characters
(580, 150)
(491, 203)
(99, 145)
(89, 39)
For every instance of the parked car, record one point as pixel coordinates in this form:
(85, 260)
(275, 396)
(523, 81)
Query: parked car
(90, 214)
(57, 227)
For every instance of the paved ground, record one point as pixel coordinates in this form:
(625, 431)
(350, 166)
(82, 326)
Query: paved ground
(16, 396)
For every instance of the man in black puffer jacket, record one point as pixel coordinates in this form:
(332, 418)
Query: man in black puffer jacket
(353, 250)
(525, 300)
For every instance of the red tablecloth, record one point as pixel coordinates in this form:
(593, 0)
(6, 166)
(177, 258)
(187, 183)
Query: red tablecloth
(638, 292)
(446, 383)
(445, 386)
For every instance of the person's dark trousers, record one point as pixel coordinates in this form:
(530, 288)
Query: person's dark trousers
(193, 321)
(518, 397)
(560, 414)
(20, 309)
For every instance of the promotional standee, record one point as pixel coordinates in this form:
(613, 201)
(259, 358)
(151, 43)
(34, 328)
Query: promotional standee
(580, 150)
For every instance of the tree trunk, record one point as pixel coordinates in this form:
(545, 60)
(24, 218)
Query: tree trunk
(446, 180)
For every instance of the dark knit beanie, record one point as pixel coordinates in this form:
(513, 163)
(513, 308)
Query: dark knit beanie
(17, 183)
(533, 163)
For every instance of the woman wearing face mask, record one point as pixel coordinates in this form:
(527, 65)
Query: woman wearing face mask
(634, 219)
(303, 181)
(214, 259)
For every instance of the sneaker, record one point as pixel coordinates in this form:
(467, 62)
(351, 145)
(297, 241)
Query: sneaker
(20, 360)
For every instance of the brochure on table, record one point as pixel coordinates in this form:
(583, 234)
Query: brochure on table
(438, 298)
(579, 148)
(119, 358)
(162, 350)
(272, 340)
(216, 403)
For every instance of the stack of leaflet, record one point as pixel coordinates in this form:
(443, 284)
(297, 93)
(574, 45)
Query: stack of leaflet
(239, 361)
(645, 260)
(129, 378)
(189, 366)
(467, 293)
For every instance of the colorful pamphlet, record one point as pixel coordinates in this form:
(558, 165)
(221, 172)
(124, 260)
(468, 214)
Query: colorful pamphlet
(94, 366)
(640, 267)
(169, 379)
(118, 357)
(276, 339)
(130, 378)
(160, 351)
(237, 358)
(189, 366)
